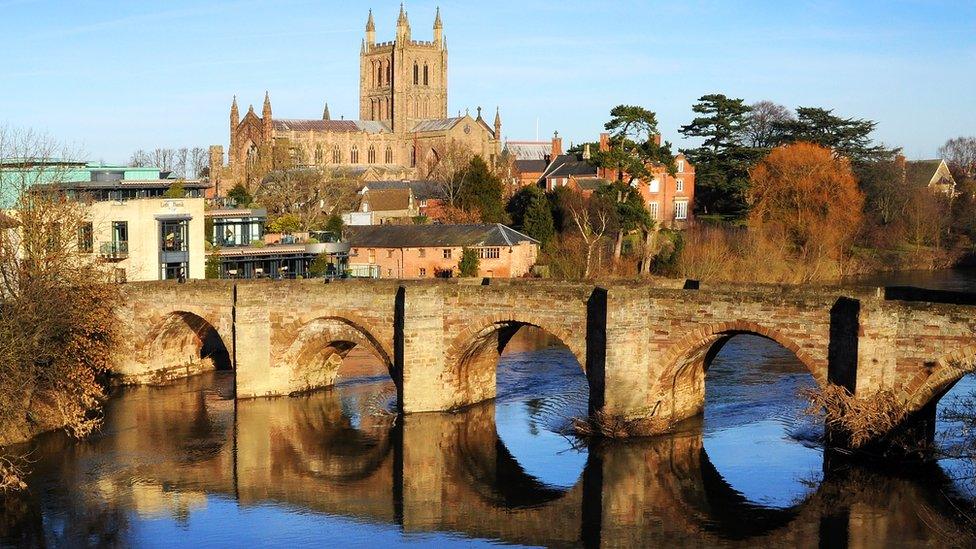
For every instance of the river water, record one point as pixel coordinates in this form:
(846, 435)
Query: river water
(186, 466)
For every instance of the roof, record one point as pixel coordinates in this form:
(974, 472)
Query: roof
(7, 222)
(437, 124)
(422, 190)
(566, 165)
(590, 183)
(236, 212)
(385, 200)
(922, 172)
(421, 236)
(531, 166)
(336, 126)
(269, 250)
(529, 150)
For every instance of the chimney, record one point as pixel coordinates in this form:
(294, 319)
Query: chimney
(557, 144)
(586, 151)
(657, 139)
(604, 142)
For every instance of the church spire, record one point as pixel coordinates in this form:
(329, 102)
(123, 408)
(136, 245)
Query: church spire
(370, 30)
(266, 118)
(403, 26)
(438, 28)
(235, 115)
(498, 124)
(325, 113)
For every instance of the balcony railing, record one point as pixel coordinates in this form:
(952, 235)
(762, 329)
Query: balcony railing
(118, 249)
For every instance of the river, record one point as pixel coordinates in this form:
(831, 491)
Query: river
(184, 465)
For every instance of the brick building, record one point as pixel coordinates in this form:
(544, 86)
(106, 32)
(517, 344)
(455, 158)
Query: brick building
(428, 251)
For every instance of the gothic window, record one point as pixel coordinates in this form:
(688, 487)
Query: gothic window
(336, 155)
(379, 74)
(389, 73)
(354, 155)
(372, 109)
(425, 75)
(319, 154)
(416, 74)
(389, 155)
(252, 156)
(413, 157)
(371, 155)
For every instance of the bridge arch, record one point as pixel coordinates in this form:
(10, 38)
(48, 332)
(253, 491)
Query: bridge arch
(936, 378)
(187, 340)
(316, 351)
(473, 353)
(687, 361)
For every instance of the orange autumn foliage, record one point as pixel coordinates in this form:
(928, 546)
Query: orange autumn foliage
(806, 196)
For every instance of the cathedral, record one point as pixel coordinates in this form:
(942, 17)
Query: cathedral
(402, 130)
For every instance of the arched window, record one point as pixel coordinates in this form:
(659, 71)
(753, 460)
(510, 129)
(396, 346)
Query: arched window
(389, 73)
(354, 155)
(413, 157)
(416, 74)
(372, 109)
(336, 155)
(389, 155)
(426, 81)
(371, 155)
(379, 74)
(319, 154)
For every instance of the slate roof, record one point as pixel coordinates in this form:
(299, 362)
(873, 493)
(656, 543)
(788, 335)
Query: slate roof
(529, 150)
(921, 172)
(420, 236)
(438, 124)
(422, 190)
(566, 165)
(386, 200)
(531, 166)
(336, 126)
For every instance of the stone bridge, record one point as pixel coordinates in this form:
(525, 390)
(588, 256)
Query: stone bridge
(644, 348)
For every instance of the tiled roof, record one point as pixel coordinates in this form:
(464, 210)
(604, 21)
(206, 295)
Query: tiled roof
(921, 172)
(336, 126)
(420, 236)
(529, 150)
(236, 212)
(422, 190)
(435, 125)
(385, 200)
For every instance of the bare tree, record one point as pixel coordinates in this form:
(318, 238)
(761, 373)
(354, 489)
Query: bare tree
(310, 193)
(960, 154)
(592, 216)
(760, 132)
(199, 159)
(447, 169)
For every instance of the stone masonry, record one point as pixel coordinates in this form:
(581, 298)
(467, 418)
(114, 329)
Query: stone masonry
(645, 348)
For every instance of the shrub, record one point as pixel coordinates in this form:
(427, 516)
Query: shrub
(469, 264)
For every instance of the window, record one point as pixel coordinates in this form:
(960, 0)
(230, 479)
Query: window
(372, 255)
(679, 185)
(425, 75)
(371, 155)
(389, 74)
(681, 166)
(389, 253)
(655, 185)
(413, 157)
(336, 154)
(416, 74)
(379, 74)
(489, 253)
(319, 154)
(423, 271)
(422, 252)
(681, 210)
(653, 208)
(173, 235)
(389, 155)
(120, 232)
(85, 238)
(354, 155)
(447, 253)
(173, 271)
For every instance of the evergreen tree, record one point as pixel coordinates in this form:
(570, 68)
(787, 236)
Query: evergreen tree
(240, 196)
(723, 160)
(537, 222)
(212, 266)
(481, 191)
(175, 190)
(335, 225)
(469, 263)
(633, 148)
(847, 137)
(520, 203)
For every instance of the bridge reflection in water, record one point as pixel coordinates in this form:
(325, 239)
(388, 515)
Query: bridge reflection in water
(180, 452)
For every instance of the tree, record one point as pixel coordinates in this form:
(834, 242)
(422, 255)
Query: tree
(319, 266)
(286, 224)
(886, 190)
(846, 137)
(311, 194)
(447, 169)
(537, 221)
(212, 266)
(723, 160)
(808, 196)
(240, 196)
(469, 263)
(960, 154)
(335, 225)
(175, 190)
(482, 191)
(630, 213)
(633, 144)
(593, 218)
(520, 202)
(764, 117)
(58, 326)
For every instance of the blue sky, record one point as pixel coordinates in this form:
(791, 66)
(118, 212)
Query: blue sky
(112, 77)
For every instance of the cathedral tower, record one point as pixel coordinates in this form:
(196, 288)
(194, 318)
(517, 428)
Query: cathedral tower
(403, 81)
